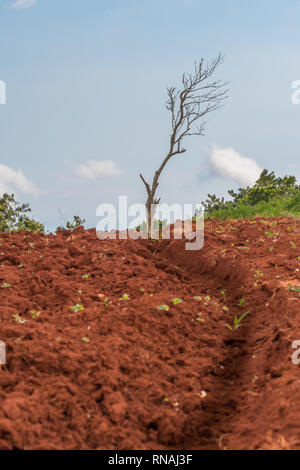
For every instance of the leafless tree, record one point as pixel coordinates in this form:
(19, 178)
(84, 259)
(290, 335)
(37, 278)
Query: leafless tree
(197, 97)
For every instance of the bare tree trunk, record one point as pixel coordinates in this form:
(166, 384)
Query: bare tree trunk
(151, 205)
(149, 215)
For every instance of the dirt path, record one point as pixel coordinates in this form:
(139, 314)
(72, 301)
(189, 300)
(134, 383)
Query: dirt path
(118, 373)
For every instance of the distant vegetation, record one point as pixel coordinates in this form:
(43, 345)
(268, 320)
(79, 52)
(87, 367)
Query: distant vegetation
(14, 216)
(77, 222)
(270, 196)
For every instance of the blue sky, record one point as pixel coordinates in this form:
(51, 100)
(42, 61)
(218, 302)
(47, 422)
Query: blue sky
(86, 81)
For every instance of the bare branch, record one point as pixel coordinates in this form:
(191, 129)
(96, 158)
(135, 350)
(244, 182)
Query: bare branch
(188, 105)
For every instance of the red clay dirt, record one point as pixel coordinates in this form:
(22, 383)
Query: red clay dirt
(122, 374)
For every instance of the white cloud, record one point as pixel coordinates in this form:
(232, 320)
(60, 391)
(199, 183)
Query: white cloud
(18, 4)
(230, 164)
(93, 169)
(12, 180)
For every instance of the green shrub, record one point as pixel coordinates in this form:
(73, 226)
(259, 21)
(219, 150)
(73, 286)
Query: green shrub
(77, 222)
(269, 197)
(14, 216)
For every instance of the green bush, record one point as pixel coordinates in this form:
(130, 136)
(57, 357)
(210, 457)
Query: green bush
(77, 222)
(14, 216)
(268, 197)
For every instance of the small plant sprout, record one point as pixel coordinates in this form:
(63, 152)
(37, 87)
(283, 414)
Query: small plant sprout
(35, 314)
(270, 234)
(85, 276)
(247, 248)
(77, 308)
(237, 321)
(223, 292)
(258, 273)
(163, 307)
(5, 285)
(293, 245)
(241, 301)
(225, 308)
(125, 297)
(18, 319)
(197, 297)
(294, 288)
(85, 339)
(176, 301)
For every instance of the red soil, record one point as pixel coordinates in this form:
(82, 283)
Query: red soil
(149, 378)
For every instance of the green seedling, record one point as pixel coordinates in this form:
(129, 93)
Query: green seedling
(258, 273)
(270, 233)
(85, 339)
(197, 297)
(293, 245)
(77, 308)
(5, 285)
(163, 307)
(125, 297)
(241, 301)
(223, 292)
(18, 319)
(35, 314)
(176, 301)
(237, 321)
(85, 276)
(294, 289)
